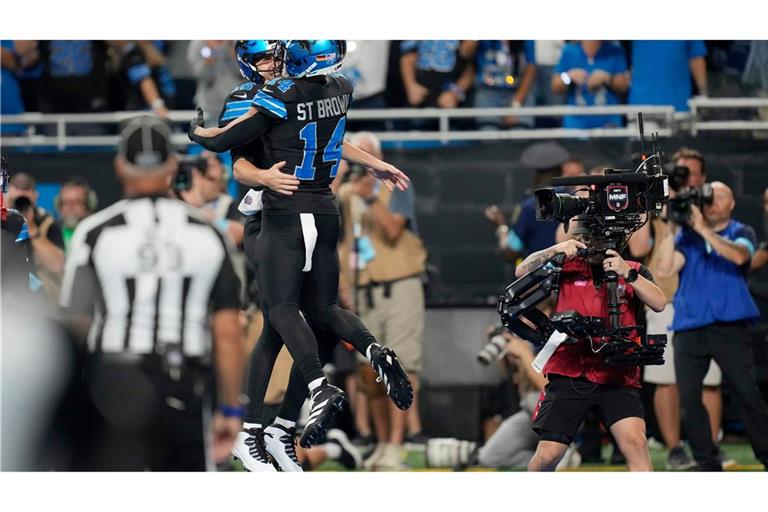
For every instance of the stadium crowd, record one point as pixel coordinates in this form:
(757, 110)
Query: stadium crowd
(105, 76)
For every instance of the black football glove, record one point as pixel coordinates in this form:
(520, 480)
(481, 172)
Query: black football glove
(196, 121)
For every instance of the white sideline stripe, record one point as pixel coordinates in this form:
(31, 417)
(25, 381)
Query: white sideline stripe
(309, 231)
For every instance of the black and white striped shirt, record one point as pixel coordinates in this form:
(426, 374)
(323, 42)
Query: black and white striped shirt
(148, 271)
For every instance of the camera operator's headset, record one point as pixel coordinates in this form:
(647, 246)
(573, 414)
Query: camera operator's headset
(91, 200)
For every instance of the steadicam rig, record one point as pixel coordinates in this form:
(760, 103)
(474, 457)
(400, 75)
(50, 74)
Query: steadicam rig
(617, 344)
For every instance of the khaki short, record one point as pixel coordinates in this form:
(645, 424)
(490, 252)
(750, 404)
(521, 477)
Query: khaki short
(659, 323)
(397, 321)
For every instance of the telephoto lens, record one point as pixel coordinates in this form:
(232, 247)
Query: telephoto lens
(493, 350)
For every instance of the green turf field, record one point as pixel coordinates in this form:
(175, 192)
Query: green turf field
(740, 452)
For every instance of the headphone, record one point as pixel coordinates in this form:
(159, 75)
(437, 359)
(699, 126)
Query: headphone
(91, 200)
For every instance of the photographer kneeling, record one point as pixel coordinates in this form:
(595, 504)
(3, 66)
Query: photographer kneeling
(579, 379)
(712, 311)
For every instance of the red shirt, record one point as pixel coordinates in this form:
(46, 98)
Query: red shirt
(578, 293)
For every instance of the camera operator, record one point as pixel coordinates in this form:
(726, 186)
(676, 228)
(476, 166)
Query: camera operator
(579, 379)
(712, 310)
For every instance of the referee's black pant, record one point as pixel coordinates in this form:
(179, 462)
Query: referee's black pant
(728, 344)
(139, 418)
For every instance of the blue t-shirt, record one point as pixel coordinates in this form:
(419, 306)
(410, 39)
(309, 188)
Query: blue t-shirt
(498, 66)
(660, 72)
(712, 289)
(533, 234)
(10, 97)
(609, 58)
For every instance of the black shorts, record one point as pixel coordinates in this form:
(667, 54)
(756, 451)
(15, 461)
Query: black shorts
(567, 400)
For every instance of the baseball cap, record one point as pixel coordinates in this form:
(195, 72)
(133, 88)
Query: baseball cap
(543, 155)
(145, 143)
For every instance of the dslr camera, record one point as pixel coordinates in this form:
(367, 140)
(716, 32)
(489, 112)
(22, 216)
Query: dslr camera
(679, 207)
(494, 349)
(182, 181)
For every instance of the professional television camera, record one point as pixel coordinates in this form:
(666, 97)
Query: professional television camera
(679, 207)
(616, 205)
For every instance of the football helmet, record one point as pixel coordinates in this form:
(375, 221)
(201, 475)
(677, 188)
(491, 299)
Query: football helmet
(251, 51)
(313, 57)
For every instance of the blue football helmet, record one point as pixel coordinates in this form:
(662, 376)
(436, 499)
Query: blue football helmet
(314, 57)
(251, 51)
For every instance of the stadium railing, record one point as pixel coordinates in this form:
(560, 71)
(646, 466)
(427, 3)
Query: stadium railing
(666, 121)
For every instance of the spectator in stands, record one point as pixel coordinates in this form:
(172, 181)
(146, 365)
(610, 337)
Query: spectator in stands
(140, 87)
(712, 311)
(546, 56)
(504, 77)
(366, 66)
(385, 275)
(30, 73)
(591, 73)
(662, 71)
(435, 73)
(73, 77)
(10, 94)
(45, 238)
(75, 201)
(525, 235)
(156, 55)
(213, 65)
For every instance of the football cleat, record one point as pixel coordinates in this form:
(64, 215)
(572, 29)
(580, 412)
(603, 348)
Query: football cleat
(281, 445)
(326, 401)
(392, 374)
(250, 449)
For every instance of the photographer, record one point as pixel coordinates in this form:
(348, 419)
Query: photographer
(712, 310)
(579, 378)
(689, 174)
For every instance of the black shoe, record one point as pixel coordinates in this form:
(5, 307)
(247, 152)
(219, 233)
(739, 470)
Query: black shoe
(385, 363)
(678, 460)
(350, 456)
(326, 401)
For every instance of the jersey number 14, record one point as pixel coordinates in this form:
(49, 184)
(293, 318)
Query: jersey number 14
(332, 152)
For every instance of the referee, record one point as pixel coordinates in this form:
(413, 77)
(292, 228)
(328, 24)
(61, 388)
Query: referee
(146, 281)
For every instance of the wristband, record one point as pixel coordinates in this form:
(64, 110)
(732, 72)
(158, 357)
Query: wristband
(516, 104)
(231, 411)
(566, 78)
(158, 103)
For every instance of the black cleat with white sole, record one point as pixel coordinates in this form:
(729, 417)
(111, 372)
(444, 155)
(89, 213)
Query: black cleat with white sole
(392, 374)
(327, 400)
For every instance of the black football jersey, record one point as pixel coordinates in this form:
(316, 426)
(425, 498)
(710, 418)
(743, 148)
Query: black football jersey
(238, 102)
(307, 132)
